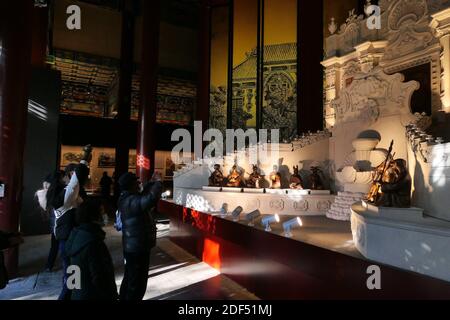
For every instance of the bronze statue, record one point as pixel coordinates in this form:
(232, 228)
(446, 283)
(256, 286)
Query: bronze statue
(216, 177)
(316, 181)
(395, 186)
(374, 193)
(391, 186)
(296, 181)
(275, 179)
(253, 180)
(234, 179)
(87, 153)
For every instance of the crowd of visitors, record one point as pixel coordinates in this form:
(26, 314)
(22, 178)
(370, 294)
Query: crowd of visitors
(76, 232)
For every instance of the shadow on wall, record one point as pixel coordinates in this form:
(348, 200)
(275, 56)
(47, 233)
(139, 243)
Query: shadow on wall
(418, 183)
(369, 134)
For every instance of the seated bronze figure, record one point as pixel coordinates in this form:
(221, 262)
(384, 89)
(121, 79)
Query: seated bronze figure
(254, 178)
(275, 179)
(295, 181)
(216, 177)
(394, 187)
(316, 181)
(234, 179)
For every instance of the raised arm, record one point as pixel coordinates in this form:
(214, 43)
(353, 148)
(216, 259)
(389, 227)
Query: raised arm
(72, 192)
(148, 200)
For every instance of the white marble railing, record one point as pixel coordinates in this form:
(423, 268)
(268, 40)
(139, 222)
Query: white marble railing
(309, 138)
(422, 144)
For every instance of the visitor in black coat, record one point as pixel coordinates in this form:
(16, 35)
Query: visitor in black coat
(86, 249)
(138, 232)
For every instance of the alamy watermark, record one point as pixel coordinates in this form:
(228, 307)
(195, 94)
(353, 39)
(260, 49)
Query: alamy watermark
(254, 146)
(373, 13)
(73, 277)
(374, 280)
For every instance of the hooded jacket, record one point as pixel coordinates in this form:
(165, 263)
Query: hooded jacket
(87, 250)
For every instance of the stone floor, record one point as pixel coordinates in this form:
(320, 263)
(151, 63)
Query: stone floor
(173, 275)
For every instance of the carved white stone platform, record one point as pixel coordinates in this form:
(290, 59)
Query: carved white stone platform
(253, 190)
(276, 191)
(207, 188)
(316, 192)
(232, 189)
(405, 214)
(403, 238)
(298, 192)
(283, 204)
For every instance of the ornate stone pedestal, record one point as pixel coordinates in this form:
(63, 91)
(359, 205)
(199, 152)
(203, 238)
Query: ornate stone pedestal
(402, 237)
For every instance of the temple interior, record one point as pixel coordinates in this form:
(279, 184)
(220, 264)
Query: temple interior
(302, 147)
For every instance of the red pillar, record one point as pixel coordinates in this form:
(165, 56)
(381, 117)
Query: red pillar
(39, 38)
(15, 57)
(147, 134)
(202, 112)
(125, 83)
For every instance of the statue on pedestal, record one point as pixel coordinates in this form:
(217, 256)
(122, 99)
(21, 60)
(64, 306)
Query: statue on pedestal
(87, 153)
(275, 179)
(216, 177)
(396, 186)
(316, 181)
(253, 180)
(296, 181)
(234, 179)
(391, 185)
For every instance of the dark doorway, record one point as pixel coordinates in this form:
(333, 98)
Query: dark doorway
(421, 98)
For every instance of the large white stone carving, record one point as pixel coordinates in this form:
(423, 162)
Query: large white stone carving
(372, 95)
(408, 29)
(413, 33)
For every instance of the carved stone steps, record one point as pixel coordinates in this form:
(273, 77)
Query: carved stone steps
(341, 208)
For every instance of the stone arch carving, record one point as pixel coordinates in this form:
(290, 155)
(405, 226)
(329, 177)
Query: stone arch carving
(372, 95)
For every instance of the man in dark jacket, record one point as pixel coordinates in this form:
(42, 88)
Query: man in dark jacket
(138, 232)
(86, 249)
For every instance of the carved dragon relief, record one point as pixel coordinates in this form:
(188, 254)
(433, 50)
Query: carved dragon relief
(373, 95)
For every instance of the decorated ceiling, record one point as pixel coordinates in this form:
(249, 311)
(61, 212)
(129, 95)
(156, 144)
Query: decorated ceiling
(90, 85)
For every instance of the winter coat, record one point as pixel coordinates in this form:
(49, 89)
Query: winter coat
(138, 225)
(87, 250)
